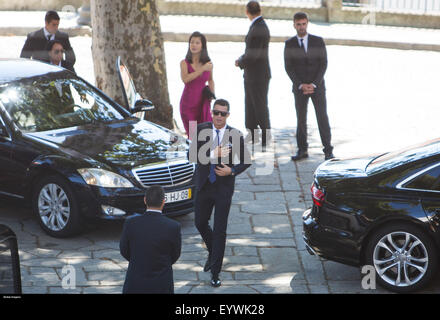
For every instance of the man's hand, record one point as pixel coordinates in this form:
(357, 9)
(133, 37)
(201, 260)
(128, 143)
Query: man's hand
(220, 152)
(223, 171)
(307, 88)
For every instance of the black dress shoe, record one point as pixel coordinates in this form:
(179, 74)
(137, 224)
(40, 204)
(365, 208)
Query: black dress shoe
(300, 155)
(329, 155)
(207, 266)
(215, 281)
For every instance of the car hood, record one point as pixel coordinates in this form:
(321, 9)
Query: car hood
(126, 144)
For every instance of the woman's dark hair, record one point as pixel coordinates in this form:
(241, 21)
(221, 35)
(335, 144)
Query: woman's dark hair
(51, 43)
(204, 57)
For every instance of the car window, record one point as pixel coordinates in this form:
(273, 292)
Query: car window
(52, 103)
(429, 180)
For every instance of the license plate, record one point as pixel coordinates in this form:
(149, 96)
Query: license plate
(177, 196)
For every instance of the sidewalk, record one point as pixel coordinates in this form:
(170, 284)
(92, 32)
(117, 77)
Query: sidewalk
(178, 28)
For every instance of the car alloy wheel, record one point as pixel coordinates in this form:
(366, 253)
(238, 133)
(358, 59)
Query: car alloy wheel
(53, 207)
(404, 257)
(400, 259)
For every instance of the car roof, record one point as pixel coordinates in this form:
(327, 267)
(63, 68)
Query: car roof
(15, 69)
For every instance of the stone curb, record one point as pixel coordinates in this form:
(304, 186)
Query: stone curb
(217, 37)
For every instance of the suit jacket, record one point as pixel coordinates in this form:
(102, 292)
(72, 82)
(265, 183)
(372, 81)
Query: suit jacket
(255, 60)
(67, 65)
(151, 243)
(35, 46)
(239, 158)
(306, 68)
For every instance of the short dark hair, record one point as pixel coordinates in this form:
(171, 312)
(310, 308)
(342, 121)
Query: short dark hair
(51, 43)
(51, 15)
(221, 102)
(154, 196)
(253, 7)
(300, 16)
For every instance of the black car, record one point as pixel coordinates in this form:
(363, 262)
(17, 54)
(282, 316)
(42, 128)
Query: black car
(382, 211)
(76, 155)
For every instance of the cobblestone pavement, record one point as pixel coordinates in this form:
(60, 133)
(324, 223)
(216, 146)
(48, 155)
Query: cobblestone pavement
(374, 106)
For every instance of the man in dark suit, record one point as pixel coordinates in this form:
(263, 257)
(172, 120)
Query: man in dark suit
(55, 51)
(220, 154)
(36, 42)
(255, 63)
(305, 59)
(151, 243)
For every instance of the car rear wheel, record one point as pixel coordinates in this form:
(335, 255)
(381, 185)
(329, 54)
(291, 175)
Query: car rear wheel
(55, 206)
(404, 257)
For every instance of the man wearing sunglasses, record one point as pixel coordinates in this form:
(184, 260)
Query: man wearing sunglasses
(220, 154)
(56, 51)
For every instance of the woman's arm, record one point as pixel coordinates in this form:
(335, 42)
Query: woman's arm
(188, 77)
(211, 84)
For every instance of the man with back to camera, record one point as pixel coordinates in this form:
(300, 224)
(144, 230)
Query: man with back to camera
(305, 59)
(36, 42)
(255, 63)
(151, 243)
(220, 154)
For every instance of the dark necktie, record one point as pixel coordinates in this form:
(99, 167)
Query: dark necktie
(212, 176)
(302, 46)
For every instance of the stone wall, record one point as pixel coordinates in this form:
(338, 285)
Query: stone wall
(331, 11)
(40, 5)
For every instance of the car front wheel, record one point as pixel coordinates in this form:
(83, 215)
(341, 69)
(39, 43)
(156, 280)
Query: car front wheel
(404, 257)
(55, 205)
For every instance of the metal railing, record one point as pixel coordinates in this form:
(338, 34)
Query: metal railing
(416, 6)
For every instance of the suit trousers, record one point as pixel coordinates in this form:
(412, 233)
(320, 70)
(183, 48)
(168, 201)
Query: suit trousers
(256, 109)
(219, 196)
(320, 103)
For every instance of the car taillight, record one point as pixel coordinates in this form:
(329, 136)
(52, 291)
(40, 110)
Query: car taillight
(317, 195)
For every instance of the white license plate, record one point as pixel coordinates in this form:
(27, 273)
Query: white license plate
(177, 196)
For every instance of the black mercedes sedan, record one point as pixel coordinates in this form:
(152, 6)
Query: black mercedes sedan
(381, 211)
(76, 155)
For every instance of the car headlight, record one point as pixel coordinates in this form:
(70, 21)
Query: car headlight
(104, 178)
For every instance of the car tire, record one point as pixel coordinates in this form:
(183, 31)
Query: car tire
(404, 257)
(54, 204)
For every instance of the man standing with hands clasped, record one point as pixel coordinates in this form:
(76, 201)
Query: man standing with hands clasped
(220, 154)
(255, 63)
(305, 59)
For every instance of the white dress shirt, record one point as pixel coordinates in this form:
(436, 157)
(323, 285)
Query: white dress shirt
(252, 22)
(305, 41)
(47, 33)
(214, 136)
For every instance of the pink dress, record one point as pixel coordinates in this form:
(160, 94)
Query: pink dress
(193, 107)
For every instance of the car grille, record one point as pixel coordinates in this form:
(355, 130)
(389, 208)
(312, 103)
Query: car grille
(165, 174)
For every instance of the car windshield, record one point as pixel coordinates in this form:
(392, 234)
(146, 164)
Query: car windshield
(393, 159)
(54, 102)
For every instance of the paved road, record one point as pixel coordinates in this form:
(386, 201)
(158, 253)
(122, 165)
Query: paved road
(376, 103)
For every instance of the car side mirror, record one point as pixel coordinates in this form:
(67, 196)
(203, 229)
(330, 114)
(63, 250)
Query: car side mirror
(142, 105)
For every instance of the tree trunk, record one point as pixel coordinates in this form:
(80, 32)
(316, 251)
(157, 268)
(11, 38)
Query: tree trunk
(131, 29)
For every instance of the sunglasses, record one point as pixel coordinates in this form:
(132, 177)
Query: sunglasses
(58, 51)
(222, 113)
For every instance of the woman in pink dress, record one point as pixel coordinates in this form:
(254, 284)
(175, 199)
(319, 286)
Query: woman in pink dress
(196, 72)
